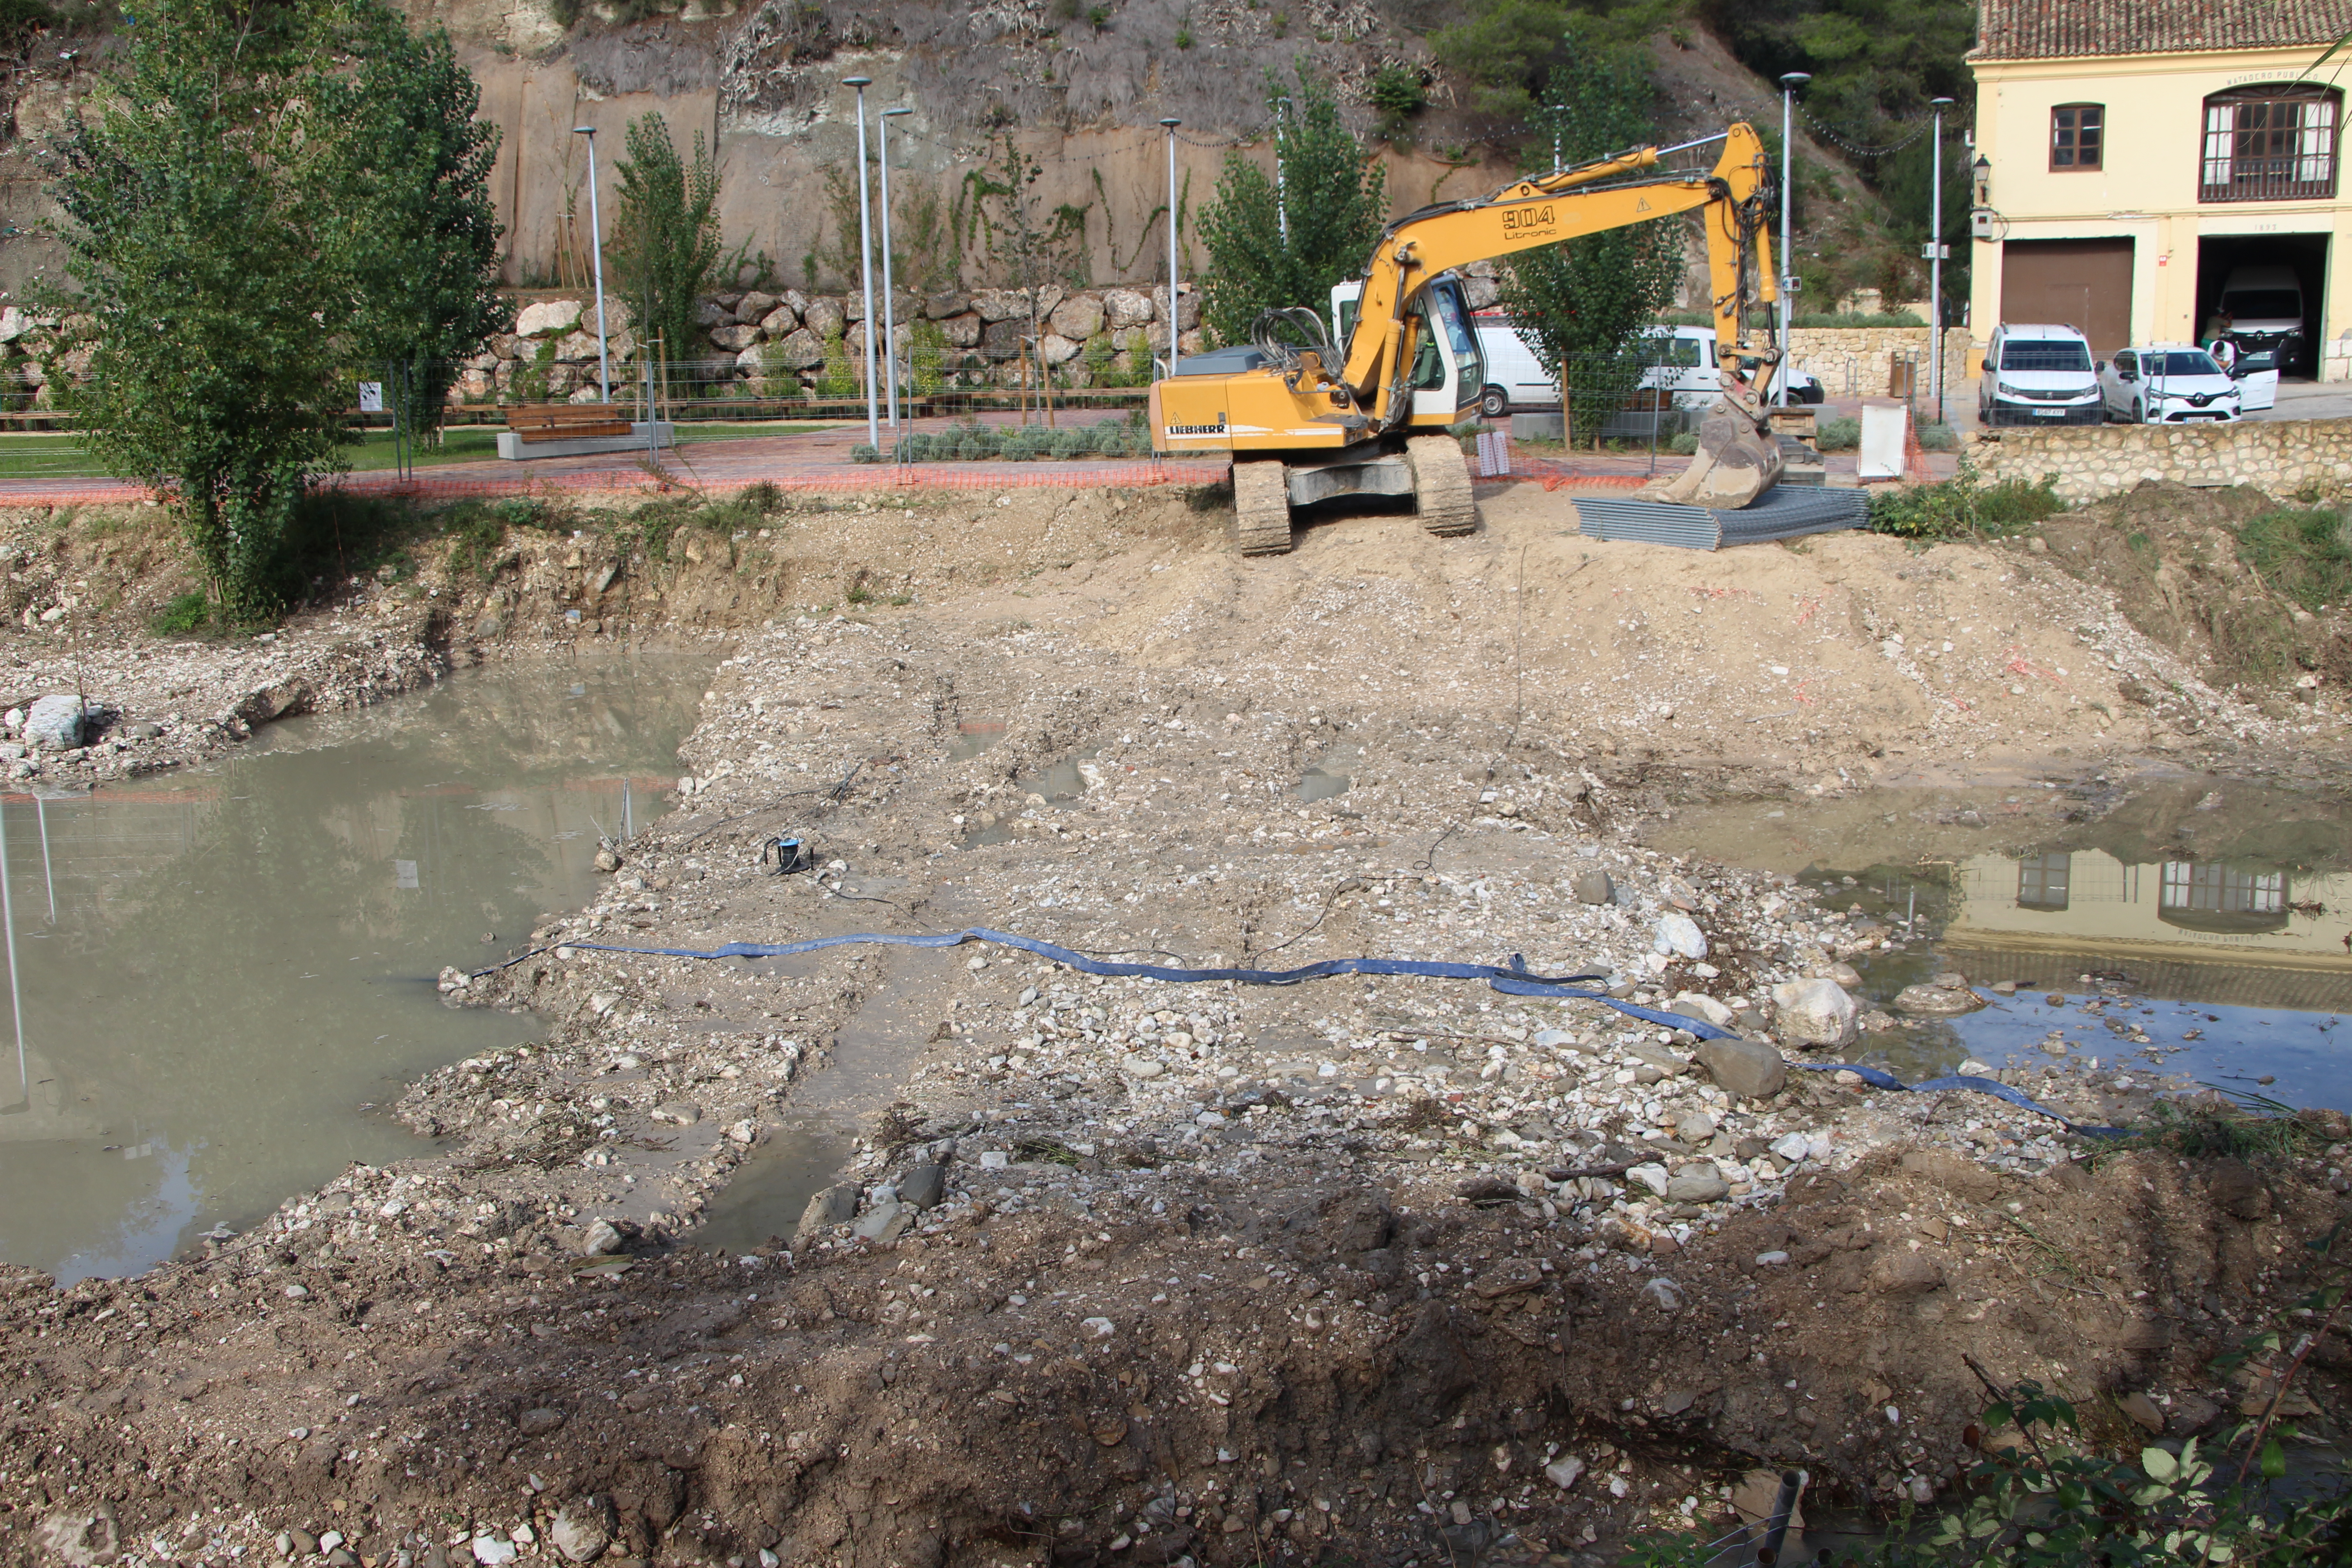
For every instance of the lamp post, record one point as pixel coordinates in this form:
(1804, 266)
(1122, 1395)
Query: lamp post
(890, 290)
(1281, 176)
(1170, 125)
(1789, 83)
(1936, 261)
(866, 258)
(596, 249)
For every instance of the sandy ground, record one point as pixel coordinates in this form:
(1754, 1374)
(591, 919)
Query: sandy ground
(1400, 1269)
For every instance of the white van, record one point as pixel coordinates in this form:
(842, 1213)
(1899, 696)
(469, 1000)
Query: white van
(2037, 373)
(1514, 376)
(2264, 305)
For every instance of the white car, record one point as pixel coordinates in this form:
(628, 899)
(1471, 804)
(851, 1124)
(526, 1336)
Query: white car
(2168, 384)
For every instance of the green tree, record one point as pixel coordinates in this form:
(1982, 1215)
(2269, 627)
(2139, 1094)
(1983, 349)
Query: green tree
(1507, 49)
(1585, 304)
(414, 198)
(665, 247)
(256, 203)
(1337, 200)
(1875, 63)
(209, 259)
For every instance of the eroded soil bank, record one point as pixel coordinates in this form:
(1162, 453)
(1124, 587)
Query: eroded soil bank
(1395, 1268)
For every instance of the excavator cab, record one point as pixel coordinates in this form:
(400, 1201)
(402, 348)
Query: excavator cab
(1448, 368)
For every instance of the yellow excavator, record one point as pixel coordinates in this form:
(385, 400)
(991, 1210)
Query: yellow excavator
(1306, 422)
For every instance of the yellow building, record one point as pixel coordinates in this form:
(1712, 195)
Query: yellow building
(2132, 155)
(2255, 935)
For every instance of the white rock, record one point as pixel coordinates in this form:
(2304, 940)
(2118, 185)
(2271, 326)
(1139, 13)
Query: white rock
(1679, 937)
(329, 1540)
(1666, 1293)
(1101, 1328)
(1652, 1175)
(1141, 1067)
(1562, 1473)
(1814, 1011)
(994, 1160)
(1696, 1004)
(1770, 1259)
(1792, 1148)
(492, 1552)
(548, 316)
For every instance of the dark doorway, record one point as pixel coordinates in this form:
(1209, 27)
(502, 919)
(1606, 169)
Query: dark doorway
(2085, 284)
(2306, 254)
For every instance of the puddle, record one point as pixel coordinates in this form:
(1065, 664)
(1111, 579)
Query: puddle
(974, 736)
(2211, 919)
(223, 972)
(1317, 785)
(1060, 786)
(859, 1079)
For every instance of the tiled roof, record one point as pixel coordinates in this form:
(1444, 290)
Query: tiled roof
(2067, 29)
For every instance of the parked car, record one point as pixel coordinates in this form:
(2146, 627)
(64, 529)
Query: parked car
(2036, 374)
(2168, 384)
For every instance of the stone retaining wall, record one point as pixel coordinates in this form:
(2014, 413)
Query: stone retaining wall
(776, 345)
(1859, 362)
(2286, 457)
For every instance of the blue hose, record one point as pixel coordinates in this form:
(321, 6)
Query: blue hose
(1511, 980)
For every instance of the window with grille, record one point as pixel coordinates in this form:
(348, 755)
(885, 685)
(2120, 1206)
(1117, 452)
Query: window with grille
(2269, 143)
(2223, 889)
(2043, 879)
(2078, 135)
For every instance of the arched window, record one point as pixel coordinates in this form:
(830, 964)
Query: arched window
(2270, 143)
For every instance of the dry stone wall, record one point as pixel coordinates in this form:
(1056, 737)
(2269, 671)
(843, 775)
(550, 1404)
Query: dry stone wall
(788, 343)
(2289, 458)
(1862, 362)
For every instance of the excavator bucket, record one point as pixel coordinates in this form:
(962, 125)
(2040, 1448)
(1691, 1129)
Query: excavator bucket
(1738, 459)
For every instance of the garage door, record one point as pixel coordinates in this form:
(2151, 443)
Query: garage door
(2081, 283)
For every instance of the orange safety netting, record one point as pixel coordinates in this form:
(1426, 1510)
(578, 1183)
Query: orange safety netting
(793, 477)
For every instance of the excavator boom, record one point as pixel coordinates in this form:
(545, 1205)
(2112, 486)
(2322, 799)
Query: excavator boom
(1312, 421)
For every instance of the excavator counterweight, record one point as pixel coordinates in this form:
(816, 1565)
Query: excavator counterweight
(1307, 418)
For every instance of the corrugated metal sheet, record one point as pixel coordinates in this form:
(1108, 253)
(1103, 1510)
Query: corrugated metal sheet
(1785, 513)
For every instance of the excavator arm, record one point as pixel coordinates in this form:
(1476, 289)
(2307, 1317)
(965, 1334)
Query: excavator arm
(1570, 203)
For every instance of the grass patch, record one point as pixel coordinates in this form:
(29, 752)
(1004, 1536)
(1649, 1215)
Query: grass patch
(1842, 435)
(2305, 554)
(186, 614)
(1965, 508)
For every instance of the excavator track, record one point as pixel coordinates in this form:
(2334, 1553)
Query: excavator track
(1261, 507)
(1441, 485)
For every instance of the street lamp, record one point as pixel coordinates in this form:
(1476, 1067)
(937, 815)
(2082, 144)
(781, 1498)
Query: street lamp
(889, 292)
(1789, 83)
(596, 248)
(1281, 176)
(1936, 249)
(866, 257)
(1170, 125)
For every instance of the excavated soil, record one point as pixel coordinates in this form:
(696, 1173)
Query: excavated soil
(1117, 1270)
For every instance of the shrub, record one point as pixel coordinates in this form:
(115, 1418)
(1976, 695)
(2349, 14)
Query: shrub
(1964, 507)
(1070, 443)
(1110, 437)
(974, 449)
(914, 448)
(1687, 443)
(1839, 435)
(1933, 437)
(865, 452)
(2303, 555)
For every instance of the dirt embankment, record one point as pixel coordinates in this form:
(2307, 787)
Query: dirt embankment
(1122, 1269)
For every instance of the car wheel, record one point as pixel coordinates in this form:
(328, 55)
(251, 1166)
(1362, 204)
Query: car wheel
(1815, 394)
(2139, 414)
(1494, 403)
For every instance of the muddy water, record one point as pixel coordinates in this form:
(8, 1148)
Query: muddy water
(224, 973)
(2190, 927)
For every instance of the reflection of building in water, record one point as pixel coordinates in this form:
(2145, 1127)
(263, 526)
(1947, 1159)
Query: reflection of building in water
(2189, 929)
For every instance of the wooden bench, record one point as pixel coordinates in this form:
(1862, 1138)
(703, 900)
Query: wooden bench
(535, 422)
